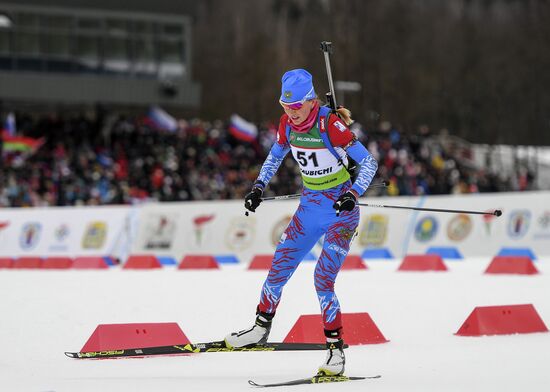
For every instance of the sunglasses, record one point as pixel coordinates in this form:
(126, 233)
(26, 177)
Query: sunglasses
(293, 106)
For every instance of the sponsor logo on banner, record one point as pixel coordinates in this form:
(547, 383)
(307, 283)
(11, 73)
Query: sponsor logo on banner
(60, 234)
(240, 234)
(519, 223)
(160, 230)
(95, 235)
(426, 229)
(279, 229)
(3, 226)
(459, 227)
(543, 226)
(199, 225)
(488, 222)
(30, 235)
(374, 230)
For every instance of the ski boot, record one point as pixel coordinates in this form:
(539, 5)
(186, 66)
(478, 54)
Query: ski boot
(335, 361)
(257, 334)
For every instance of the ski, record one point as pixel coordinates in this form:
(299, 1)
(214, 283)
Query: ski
(191, 348)
(317, 379)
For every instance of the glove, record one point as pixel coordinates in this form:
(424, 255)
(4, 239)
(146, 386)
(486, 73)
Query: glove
(346, 202)
(253, 199)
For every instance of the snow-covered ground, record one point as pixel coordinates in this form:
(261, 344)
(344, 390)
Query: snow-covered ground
(44, 313)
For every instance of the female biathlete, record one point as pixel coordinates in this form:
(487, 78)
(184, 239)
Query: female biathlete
(320, 142)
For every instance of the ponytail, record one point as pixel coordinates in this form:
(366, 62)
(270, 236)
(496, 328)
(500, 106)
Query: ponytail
(341, 112)
(345, 115)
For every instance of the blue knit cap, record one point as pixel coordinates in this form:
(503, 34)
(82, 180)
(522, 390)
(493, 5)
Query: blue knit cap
(297, 86)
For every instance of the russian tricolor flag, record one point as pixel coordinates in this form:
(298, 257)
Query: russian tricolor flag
(160, 119)
(242, 129)
(9, 125)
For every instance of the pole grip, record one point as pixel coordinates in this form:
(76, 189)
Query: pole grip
(326, 46)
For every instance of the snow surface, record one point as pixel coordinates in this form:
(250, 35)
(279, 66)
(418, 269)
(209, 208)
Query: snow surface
(44, 313)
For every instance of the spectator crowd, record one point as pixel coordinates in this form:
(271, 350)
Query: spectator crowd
(91, 160)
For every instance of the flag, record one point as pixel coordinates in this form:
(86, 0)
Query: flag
(242, 129)
(20, 143)
(9, 124)
(160, 119)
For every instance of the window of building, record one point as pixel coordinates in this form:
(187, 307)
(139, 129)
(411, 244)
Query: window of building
(26, 20)
(116, 56)
(27, 43)
(144, 55)
(88, 24)
(171, 57)
(56, 45)
(142, 27)
(5, 41)
(81, 41)
(57, 22)
(172, 29)
(87, 55)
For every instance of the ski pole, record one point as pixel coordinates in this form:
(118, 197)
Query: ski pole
(495, 212)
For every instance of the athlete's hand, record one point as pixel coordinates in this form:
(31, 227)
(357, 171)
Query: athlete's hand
(346, 202)
(253, 199)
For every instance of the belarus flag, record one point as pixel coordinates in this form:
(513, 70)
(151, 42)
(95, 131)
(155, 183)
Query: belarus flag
(21, 143)
(13, 143)
(242, 129)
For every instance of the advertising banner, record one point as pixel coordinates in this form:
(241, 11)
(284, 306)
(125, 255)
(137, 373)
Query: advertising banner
(221, 227)
(62, 231)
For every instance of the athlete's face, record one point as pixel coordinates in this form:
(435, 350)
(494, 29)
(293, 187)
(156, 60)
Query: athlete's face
(298, 113)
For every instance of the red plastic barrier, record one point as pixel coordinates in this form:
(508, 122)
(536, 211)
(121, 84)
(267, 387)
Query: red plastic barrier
(57, 263)
(511, 265)
(502, 320)
(353, 262)
(260, 262)
(90, 262)
(111, 260)
(6, 262)
(28, 262)
(127, 336)
(142, 262)
(432, 262)
(359, 329)
(198, 262)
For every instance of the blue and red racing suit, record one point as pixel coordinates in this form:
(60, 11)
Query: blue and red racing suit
(324, 181)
